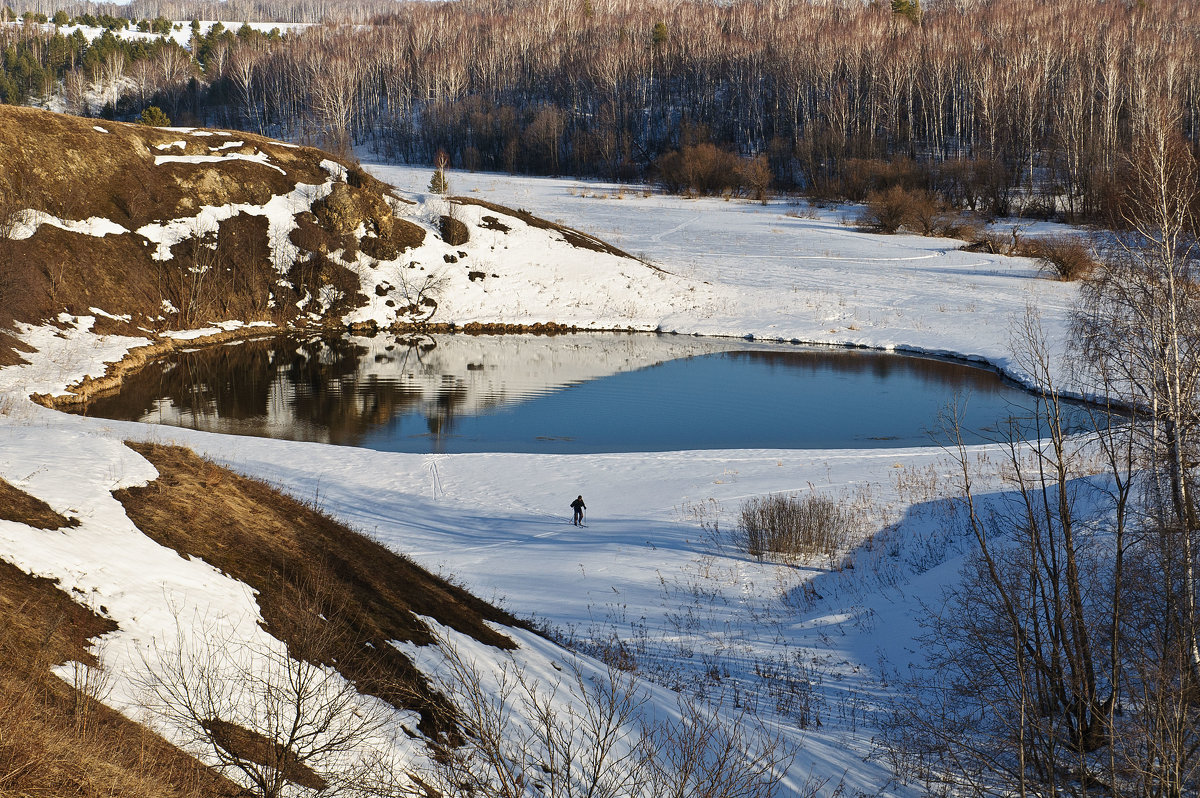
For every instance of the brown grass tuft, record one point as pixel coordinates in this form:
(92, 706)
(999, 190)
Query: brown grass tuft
(790, 527)
(56, 740)
(282, 547)
(17, 505)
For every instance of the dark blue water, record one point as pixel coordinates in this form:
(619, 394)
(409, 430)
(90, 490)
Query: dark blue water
(519, 394)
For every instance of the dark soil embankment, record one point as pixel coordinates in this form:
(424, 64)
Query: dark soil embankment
(55, 739)
(308, 566)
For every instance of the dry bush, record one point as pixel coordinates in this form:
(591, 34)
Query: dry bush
(702, 169)
(754, 175)
(454, 232)
(888, 210)
(791, 527)
(861, 177)
(272, 715)
(995, 243)
(1066, 257)
(917, 210)
(964, 226)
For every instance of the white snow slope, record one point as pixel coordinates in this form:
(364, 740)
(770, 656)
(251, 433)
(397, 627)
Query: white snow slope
(806, 647)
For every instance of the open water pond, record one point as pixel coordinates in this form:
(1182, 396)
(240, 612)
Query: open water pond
(565, 393)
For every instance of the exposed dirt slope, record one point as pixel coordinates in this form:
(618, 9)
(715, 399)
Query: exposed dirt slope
(307, 566)
(222, 259)
(56, 740)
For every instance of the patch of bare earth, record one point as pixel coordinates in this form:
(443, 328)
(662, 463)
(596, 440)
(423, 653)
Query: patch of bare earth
(77, 169)
(57, 739)
(311, 570)
(17, 505)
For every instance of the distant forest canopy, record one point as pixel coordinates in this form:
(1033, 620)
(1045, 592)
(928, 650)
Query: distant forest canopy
(227, 11)
(1003, 106)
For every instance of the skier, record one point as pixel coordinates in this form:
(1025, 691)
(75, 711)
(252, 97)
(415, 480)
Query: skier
(578, 506)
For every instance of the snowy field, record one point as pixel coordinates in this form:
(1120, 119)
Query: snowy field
(812, 649)
(792, 272)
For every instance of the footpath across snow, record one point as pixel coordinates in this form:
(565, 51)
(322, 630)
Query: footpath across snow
(811, 649)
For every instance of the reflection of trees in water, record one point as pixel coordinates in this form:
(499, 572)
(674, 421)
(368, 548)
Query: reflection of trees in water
(317, 380)
(326, 389)
(880, 365)
(232, 381)
(452, 395)
(441, 418)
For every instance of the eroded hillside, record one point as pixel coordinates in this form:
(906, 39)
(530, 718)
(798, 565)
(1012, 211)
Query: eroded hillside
(166, 228)
(148, 230)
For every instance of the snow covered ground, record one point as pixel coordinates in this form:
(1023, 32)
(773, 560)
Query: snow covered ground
(810, 648)
(181, 30)
(791, 272)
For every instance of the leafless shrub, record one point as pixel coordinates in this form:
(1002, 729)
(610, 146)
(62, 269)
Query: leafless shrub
(454, 231)
(588, 734)
(791, 684)
(995, 243)
(888, 210)
(188, 282)
(885, 211)
(707, 756)
(705, 169)
(270, 719)
(791, 527)
(521, 733)
(754, 174)
(1066, 257)
(958, 225)
(803, 212)
(420, 294)
(864, 176)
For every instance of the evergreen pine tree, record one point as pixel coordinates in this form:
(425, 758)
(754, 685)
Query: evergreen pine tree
(908, 8)
(155, 117)
(438, 184)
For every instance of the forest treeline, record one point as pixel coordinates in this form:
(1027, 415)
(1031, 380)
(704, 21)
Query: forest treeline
(1009, 106)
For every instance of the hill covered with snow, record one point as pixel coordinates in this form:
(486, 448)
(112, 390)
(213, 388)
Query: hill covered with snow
(199, 572)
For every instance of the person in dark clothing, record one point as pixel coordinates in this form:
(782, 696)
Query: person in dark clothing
(578, 506)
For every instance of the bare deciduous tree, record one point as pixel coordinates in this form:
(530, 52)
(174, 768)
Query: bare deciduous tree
(591, 734)
(1026, 673)
(266, 718)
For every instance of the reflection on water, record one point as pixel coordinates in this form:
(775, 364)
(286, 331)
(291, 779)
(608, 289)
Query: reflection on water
(570, 393)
